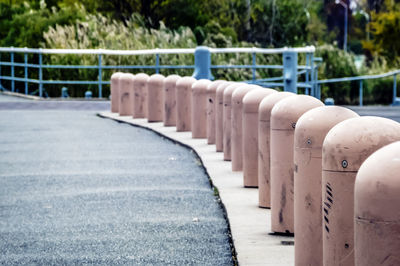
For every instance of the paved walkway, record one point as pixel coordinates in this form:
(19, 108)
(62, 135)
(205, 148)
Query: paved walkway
(78, 189)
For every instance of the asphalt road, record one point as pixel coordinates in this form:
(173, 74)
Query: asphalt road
(79, 189)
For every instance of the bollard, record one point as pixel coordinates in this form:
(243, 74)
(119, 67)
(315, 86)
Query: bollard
(227, 121)
(199, 108)
(211, 108)
(345, 148)
(114, 90)
(183, 94)
(237, 131)
(264, 119)
(126, 94)
(140, 95)
(309, 135)
(284, 116)
(251, 104)
(155, 98)
(88, 94)
(376, 209)
(219, 115)
(169, 117)
(64, 94)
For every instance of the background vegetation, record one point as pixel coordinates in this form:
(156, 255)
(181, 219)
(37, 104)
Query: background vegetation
(374, 27)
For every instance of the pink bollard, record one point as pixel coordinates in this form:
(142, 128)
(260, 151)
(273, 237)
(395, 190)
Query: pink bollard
(140, 95)
(237, 132)
(219, 117)
(183, 96)
(284, 116)
(264, 127)
(169, 117)
(211, 110)
(199, 108)
(114, 90)
(227, 121)
(126, 94)
(251, 103)
(377, 213)
(155, 98)
(345, 148)
(309, 135)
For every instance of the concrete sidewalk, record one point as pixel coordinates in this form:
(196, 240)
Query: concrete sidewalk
(250, 225)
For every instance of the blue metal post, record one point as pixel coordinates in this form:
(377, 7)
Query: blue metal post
(40, 74)
(253, 68)
(12, 71)
(361, 93)
(157, 63)
(394, 88)
(100, 76)
(1, 86)
(202, 63)
(312, 76)
(26, 72)
(307, 90)
(290, 71)
(318, 87)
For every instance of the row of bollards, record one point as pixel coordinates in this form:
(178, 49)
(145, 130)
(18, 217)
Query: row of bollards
(316, 167)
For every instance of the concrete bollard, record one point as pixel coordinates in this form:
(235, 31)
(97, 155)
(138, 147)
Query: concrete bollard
(114, 90)
(183, 92)
(126, 81)
(219, 117)
(211, 109)
(155, 98)
(345, 148)
(227, 121)
(169, 115)
(140, 96)
(264, 118)
(309, 135)
(284, 116)
(376, 209)
(251, 103)
(199, 108)
(237, 131)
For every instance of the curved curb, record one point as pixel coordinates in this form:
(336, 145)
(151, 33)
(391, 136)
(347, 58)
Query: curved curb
(249, 224)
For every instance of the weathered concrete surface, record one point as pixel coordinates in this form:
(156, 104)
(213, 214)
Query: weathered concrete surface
(78, 189)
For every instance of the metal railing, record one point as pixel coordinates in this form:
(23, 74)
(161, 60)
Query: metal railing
(202, 66)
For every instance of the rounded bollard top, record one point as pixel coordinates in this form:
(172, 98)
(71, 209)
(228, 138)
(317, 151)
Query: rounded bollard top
(266, 105)
(200, 86)
(377, 186)
(350, 142)
(116, 75)
(185, 82)
(227, 98)
(127, 77)
(141, 77)
(240, 92)
(156, 79)
(285, 113)
(313, 125)
(172, 78)
(212, 87)
(252, 100)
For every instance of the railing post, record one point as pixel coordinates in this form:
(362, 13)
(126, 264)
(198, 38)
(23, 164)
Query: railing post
(290, 71)
(1, 86)
(202, 63)
(157, 63)
(361, 93)
(394, 88)
(12, 70)
(100, 76)
(26, 72)
(307, 90)
(40, 73)
(253, 70)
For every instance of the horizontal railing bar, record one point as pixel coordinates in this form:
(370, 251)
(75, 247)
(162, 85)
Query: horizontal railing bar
(19, 79)
(366, 77)
(149, 67)
(308, 49)
(248, 66)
